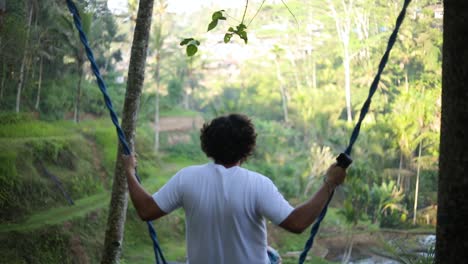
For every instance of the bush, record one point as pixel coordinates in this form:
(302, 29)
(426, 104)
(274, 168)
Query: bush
(48, 245)
(8, 178)
(9, 118)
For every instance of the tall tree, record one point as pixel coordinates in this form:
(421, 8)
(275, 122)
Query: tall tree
(284, 99)
(344, 26)
(23, 61)
(452, 231)
(73, 42)
(80, 57)
(2, 13)
(158, 42)
(3, 72)
(3, 78)
(136, 75)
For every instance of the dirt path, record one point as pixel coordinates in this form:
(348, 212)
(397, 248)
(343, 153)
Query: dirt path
(178, 127)
(180, 123)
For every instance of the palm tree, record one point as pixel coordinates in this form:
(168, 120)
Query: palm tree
(403, 119)
(73, 42)
(319, 160)
(387, 197)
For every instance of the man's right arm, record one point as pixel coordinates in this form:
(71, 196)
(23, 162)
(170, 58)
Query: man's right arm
(305, 214)
(143, 202)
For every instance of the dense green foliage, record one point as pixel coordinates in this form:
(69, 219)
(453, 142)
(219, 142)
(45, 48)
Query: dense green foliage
(290, 79)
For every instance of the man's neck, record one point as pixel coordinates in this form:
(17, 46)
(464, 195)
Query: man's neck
(227, 166)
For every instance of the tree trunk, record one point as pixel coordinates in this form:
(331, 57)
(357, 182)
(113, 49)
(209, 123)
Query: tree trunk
(156, 102)
(2, 83)
(347, 73)
(23, 62)
(295, 70)
(314, 74)
(400, 167)
(416, 188)
(2, 11)
(191, 83)
(76, 115)
(136, 74)
(159, 40)
(39, 84)
(343, 25)
(2, 14)
(284, 99)
(349, 248)
(186, 99)
(452, 230)
(406, 79)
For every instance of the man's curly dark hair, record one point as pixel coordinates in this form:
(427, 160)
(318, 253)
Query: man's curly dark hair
(228, 139)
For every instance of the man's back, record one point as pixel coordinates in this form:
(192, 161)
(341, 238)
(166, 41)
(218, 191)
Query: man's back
(225, 211)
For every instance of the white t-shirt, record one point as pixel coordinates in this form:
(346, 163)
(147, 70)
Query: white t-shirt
(224, 210)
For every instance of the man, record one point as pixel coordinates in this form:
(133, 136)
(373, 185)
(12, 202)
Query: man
(226, 205)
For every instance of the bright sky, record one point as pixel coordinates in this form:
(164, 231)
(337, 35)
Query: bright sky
(117, 6)
(179, 6)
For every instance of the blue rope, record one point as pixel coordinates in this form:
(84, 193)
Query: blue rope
(357, 128)
(102, 86)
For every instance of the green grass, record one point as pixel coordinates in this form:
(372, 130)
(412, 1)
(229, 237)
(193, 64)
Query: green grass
(60, 214)
(36, 128)
(137, 243)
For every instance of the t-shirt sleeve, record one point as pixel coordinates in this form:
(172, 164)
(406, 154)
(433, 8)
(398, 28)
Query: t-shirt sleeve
(169, 197)
(271, 203)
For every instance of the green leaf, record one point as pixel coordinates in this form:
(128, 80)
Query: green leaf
(222, 18)
(212, 25)
(185, 41)
(243, 35)
(227, 37)
(241, 27)
(231, 29)
(196, 42)
(191, 50)
(217, 15)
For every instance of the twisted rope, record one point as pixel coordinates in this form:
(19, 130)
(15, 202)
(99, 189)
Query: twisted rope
(343, 159)
(102, 86)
